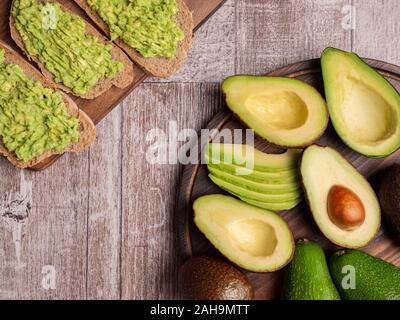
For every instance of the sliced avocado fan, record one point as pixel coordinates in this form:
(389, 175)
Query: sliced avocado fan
(236, 169)
(363, 106)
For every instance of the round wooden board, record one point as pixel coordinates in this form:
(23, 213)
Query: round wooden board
(195, 183)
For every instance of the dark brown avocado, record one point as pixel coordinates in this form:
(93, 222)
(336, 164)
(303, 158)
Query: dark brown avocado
(208, 278)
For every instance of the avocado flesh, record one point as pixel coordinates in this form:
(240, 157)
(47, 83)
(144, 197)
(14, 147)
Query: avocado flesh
(375, 279)
(280, 206)
(283, 177)
(284, 111)
(364, 107)
(255, 239)
(246, 156)
(307, 276)
(322, 168)
(275, 187)
(259, 196)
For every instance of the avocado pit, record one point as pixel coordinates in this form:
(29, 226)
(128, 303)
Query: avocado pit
(345, 208)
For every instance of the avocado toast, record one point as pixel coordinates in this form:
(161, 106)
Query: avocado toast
(158, 65)
(32, 120)
(68, 50)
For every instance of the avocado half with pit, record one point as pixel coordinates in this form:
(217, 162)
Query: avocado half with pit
(285, 111)
(255, 239)
(342, 202)
(363, 106)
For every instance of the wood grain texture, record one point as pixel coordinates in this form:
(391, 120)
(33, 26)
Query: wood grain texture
(78, 216)
(149, 191)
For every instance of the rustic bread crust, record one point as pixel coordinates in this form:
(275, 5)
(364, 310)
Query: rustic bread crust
(157, 66)
(86, 129)
(122, 80)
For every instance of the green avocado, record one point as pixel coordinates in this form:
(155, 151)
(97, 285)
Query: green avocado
(275, 187)
(250, 159)
(59, 41)
(284, 111)
(336, 193)
(307, 276)
(255, 195)
(148, 26)
(359, 276)
(364, 107)
(33, 118)
(282, 177)
(255, 239)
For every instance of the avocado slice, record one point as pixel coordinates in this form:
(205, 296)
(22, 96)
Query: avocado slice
(389, 198)
(244, 155)
(259, 196)
(359, 276)
(323, 171)
(284, 111)
(281, 206)
(307, 276)
(255, 239)
(282, 177)
(274, 188)
(364, 107)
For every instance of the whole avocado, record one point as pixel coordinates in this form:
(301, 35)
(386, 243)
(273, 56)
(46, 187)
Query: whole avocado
(359, 276)
(208, 278)
(307, 276)
(389, 196)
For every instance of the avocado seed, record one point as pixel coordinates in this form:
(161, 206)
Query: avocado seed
(345, 208)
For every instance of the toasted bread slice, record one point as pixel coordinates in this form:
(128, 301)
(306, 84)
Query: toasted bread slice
(121, 80)
(87, 129)
(157, 66)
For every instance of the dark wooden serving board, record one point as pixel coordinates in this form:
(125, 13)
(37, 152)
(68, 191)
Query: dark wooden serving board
(195, 183)
(98, 108)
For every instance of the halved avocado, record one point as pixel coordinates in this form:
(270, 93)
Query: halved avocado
(324, 171)
(244, 155)
(250, 194)
(364, 107)
(285, 111)
(255, 239)
(273, 188)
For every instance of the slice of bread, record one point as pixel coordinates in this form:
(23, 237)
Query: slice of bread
(157, 66)
(87, 129)
(122, 80)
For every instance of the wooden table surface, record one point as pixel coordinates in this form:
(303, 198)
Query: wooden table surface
(100, 223)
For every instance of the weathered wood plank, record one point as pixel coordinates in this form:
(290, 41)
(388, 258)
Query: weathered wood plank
(53, 236)
(377, 29)
(149, 259)
(104, 213)
(272, 34)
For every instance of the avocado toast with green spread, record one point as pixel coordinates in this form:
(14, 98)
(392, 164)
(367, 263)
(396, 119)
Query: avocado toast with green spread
(36, 120)
(156, 34)
(69, 51)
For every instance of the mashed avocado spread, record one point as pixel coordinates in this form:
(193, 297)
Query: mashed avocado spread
(58, 39)
(33, 118)
(149, 26)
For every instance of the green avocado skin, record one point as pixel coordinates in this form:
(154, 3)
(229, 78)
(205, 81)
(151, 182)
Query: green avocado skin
(375, 279)
(307, 276)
